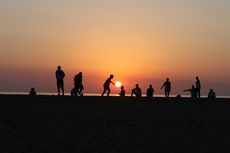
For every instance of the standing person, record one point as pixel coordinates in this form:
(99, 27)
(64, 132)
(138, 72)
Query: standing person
(198, 86)
(60, 80)
(78, 84)
(150, 91)
(106, 85)
(122, 93)
(167, 87)
(136, 91)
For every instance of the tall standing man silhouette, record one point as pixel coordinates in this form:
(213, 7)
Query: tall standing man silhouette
(60, 80)
(198, 86)
(106, 85)
(167, 87)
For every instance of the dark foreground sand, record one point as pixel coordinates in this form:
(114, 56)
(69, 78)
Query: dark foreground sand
(50, 124)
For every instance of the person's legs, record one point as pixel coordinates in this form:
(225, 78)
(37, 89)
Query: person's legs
(108, 91)
(58, 87)
(80, 89)
(132, 92)
(198, 93)
(62, 87)
(72, 93)
(76, 90)
(103, 91)
(166, 93)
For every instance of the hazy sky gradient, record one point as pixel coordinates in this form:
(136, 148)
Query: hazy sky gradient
(139, 41)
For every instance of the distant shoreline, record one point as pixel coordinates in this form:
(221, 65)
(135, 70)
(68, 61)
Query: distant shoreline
(95, 94)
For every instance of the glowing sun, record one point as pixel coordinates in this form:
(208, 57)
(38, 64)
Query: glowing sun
(118, 84)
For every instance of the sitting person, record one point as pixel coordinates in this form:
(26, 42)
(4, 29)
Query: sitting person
(73, 92)
(211, 94)
(150, 91)
(33, 92)
(136, 91)
(122, 93)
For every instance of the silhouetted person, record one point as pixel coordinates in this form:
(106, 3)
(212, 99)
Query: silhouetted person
(106, 85)
(193, 91)
(33, 92)
(60, 80)
(122, 93)
(198, 86)
(73, 92)
(167, 87)
(211, 94)
(136, 91)
(150, 91)
(78, 84)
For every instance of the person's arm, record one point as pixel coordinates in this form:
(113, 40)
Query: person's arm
(112, 82)
(187, 90)
(132, 92)
(163, 86)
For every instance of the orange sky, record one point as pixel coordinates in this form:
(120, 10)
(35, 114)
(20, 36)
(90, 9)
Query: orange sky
(138, 41)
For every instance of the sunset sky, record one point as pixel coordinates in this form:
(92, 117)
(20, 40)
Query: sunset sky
(139, 41)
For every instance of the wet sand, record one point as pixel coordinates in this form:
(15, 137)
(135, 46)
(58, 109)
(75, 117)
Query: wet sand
(51, 124)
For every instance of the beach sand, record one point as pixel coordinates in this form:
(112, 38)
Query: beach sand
(51, 124)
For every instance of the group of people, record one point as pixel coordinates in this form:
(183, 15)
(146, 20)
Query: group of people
(78, 87)
(136, 91)
(195, 90)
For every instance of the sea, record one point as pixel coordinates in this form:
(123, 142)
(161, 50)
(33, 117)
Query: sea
(94, 94)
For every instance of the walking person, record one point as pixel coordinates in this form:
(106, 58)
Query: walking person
(60, 80)
(167, 87)
(78, 84)
(106, 85)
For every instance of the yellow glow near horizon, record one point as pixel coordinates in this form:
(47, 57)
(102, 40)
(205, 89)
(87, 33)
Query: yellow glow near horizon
(118, 84)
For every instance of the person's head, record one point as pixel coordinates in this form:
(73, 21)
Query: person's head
(150, 86)
(32, 89)
(80, 73)
(59, 67)
(197, 78)
(111, 76)
(137, 86)
(211, 90)
(167, 79)
(122, 87)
